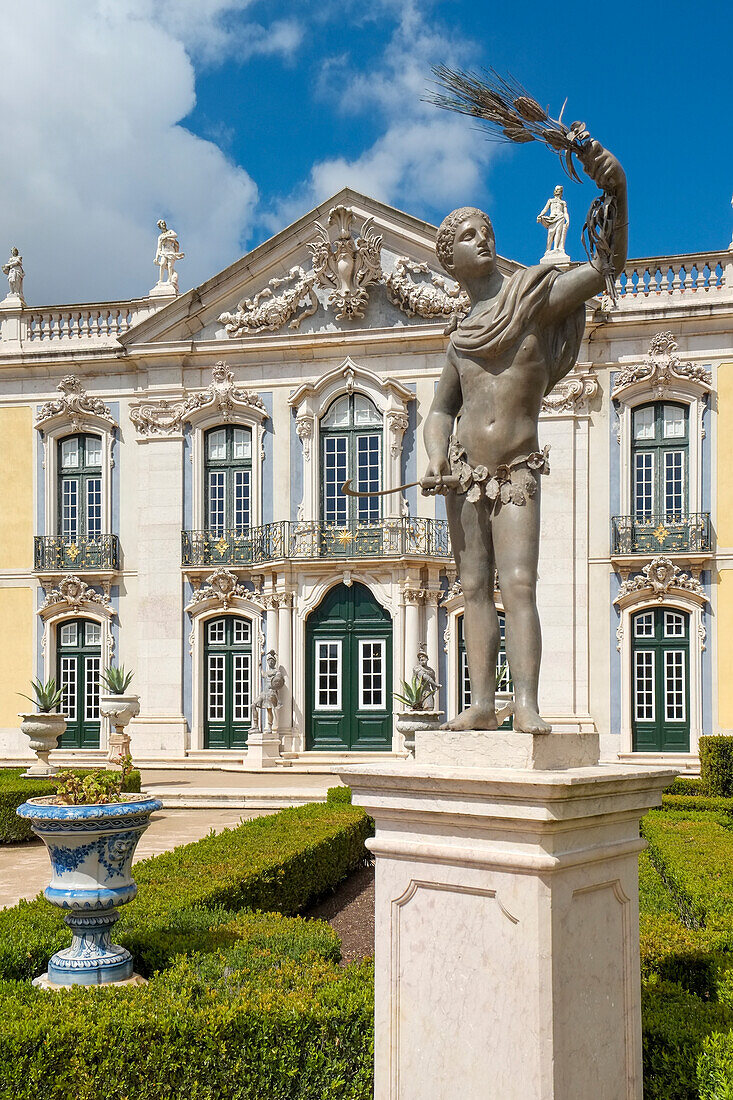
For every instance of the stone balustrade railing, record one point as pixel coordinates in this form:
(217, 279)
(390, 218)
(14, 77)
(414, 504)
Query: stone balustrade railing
(55, 326)
(655, 280)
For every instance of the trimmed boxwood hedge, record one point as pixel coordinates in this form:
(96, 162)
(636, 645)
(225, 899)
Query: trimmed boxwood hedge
(716, 764)
(15, 790)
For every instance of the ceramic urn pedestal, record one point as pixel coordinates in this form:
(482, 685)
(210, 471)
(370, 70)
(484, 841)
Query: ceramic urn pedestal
(120, 709)
(44, 730)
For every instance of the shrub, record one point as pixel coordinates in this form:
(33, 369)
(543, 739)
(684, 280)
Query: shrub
(685, 802)
(692, 853)
(280, 863)
(338, 794)
(715, 1067)
(15, 790)
(675, 1027)
(716, 765)
(686, 785)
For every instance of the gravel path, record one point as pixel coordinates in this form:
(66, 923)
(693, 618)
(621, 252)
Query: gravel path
(350, 912)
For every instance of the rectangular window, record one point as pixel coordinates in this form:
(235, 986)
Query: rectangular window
(242, 443)
(69, 509)
(674, 624)
(68, 687)
(216, 687)
(217, 445)
(334, 474)
(644, 625)
(372, 674)
(69, 454)
(643, 485)
(242, 632)
(69, 634)
(368, 476)
(503, 677)
(674, 685)
(241, 673)
(93, 450)
(241, 501)
(92, 634)
(216, 632)
(328, 675)
(217, 502)
(91, 689)
(674, 487)
(94, 507)
(644, 423)
(644, 685)
(465, 682)
(673, 421)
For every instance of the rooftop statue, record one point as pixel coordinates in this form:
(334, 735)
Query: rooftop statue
(167, 254)
(521, 336)
(15, 273)
(555, 218)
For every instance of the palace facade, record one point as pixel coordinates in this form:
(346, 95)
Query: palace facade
(172, 469)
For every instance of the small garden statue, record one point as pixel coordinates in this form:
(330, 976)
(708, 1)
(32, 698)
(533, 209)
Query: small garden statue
(425, 677)
(269, 698)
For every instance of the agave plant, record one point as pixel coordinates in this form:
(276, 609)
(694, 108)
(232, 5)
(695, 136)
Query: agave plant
(413, 693)
(116, 679)
(47, 696)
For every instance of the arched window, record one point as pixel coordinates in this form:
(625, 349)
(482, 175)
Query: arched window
(660, 680)
(227, 682)
(80, 488)
(78, 663)
(659, 463)
(228, 480)
(351, 449)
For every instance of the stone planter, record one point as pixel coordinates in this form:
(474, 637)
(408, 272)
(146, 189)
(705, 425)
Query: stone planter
(409, 721)
(119, 709)
(91, 850)
(43, 729)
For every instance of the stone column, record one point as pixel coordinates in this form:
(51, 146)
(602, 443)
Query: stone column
(431, 625)
(412, 597)
(271, 606)
(507, 942)
(285, 656)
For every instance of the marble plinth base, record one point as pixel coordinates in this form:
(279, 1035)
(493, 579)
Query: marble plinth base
(506, 749)
(507, 935)
(263, 749)
(163, 290)
(43, 982)
(556, 259)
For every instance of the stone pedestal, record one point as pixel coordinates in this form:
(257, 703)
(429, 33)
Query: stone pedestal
(263, 749)
(507, 936)
(556, 259)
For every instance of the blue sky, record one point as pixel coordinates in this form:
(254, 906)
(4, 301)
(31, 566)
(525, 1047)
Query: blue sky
(232, 117)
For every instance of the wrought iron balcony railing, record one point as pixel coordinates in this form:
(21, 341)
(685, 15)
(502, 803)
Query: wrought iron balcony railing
(388, 538)
(55, 552)
(671, 534)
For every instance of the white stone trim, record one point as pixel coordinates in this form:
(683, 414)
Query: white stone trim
(201, 422)
(51, 623)
(311, 400)
(52, 431)
(200, 615)
(676, 601)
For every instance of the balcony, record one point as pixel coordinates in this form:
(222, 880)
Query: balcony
(297, 541)
(683, 534)
(55, 554)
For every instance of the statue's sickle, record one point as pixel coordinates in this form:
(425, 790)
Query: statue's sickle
(450, 481)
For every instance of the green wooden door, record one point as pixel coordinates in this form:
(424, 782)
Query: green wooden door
(227, 682)
(660, 680)
(349, 681)
(78, 661)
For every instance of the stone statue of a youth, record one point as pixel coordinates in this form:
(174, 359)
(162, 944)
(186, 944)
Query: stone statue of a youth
(521, 336)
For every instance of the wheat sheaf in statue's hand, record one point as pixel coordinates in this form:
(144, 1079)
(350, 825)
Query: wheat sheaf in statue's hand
(602, 167)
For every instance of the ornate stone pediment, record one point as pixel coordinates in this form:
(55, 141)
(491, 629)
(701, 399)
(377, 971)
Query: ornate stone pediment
(72, 593)
(571, 394)
(659, 578)
(222, 587)
(662, 370)
(347, 266)
(222, 396)
(75, 406)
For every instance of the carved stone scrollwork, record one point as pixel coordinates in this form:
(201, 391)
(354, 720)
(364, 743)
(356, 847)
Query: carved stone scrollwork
(72, 592)
(222, 394)
(661, 369)
(267, 312)
(221, 586)
(75, 405)
(397, 423)
(572, 394)
(414, 595)
(659, 577)
(456, 589)
(346, 266)
(304, 428)
(432, 300)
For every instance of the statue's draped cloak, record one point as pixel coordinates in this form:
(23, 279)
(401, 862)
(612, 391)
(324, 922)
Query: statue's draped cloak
(499, 324)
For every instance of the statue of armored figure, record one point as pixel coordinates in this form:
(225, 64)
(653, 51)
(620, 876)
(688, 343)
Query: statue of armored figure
(15, 273)
(269, 698)
(520, 338)
(167, 254)
(426, 679)
(555, 218)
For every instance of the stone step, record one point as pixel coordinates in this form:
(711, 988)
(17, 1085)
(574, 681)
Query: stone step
(256, 798)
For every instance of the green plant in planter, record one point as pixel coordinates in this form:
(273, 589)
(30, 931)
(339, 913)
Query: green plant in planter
(96, 789)
(47, 696)
(116, 679)
(413, 693)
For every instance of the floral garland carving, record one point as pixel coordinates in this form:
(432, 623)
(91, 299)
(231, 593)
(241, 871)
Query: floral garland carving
(661, 368)
(222, 393)
(659, 576)
(74, 592)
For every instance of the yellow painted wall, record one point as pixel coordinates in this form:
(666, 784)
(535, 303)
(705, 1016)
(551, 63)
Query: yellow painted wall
(17, 623)
(16, 487)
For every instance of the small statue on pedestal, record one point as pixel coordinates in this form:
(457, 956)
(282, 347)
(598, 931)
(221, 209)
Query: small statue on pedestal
(426, 679)
(15, 273)
(167, 254)
(555, 218)
(269, 698)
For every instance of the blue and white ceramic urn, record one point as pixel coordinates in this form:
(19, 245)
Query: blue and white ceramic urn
(91, 850)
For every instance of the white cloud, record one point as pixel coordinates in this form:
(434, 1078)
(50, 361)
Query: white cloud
(424, 156)
(91, 104)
